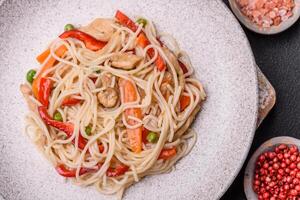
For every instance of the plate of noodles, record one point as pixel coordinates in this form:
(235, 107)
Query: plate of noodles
(123, 99)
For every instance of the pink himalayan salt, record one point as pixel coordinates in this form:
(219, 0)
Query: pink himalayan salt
(267, 13)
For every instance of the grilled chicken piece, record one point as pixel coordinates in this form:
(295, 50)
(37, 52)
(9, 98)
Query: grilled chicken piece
(125, 61)
(100, 28)
(108, 97)
(26, 91)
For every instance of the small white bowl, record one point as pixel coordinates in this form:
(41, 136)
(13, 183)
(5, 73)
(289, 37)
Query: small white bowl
(267, 31)
(267, 146)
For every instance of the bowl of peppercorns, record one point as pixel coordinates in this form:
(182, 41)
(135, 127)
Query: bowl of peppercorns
(266, 16)
(273, 172)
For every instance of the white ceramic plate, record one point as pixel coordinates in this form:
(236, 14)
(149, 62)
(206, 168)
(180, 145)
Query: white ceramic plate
(223, 61)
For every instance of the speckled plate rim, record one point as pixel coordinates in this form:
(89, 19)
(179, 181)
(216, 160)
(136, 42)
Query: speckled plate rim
(247, 149)
(250, 139)
(266, 31)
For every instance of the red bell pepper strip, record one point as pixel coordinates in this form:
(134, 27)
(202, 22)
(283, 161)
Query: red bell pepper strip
(94, 79)
(125, 21)
(44, 91)
(118, 171)
(184, 101)
(66, 127)
(145, 132)
(111, 172)
(142, 40)
(160, 63)
(89, 41)
(183, 67)
(101, 148)
(166, 154)
(70, 101)
(63, 171)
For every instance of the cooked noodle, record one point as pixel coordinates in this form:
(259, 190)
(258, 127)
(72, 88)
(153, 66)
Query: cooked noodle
(81, 73)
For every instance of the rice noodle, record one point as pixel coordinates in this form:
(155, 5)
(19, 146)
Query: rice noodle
(72, 77)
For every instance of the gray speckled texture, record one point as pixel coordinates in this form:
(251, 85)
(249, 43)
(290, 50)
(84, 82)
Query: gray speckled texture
(223, 61)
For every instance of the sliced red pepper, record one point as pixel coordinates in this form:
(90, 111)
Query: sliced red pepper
(44, 91)
(144, 135)
(118, 171)
(101, 148)
(166, 154)
(89, 41)
(183, 67)
(125, 21)
(160, 63)
(94, 79)
(184, 102)
(142, 39)
(66, 127)
(111, 172)
(63, 171)
(70, 101)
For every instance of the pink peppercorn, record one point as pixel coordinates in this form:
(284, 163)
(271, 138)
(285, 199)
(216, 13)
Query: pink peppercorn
(277, 174)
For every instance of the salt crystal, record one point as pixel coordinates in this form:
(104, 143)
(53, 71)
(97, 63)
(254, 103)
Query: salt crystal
(256, 13)
(266, 25)
(267, 12)
(264, 11)
(259, 4)
(284, 18)
(282, 12)
(277, 21)
(272, 14)
(243, 2)
(289, 14)
(270, 5)
(271, 22)
(266, 22)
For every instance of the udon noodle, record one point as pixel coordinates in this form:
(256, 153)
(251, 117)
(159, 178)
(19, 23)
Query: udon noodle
(109, 113)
